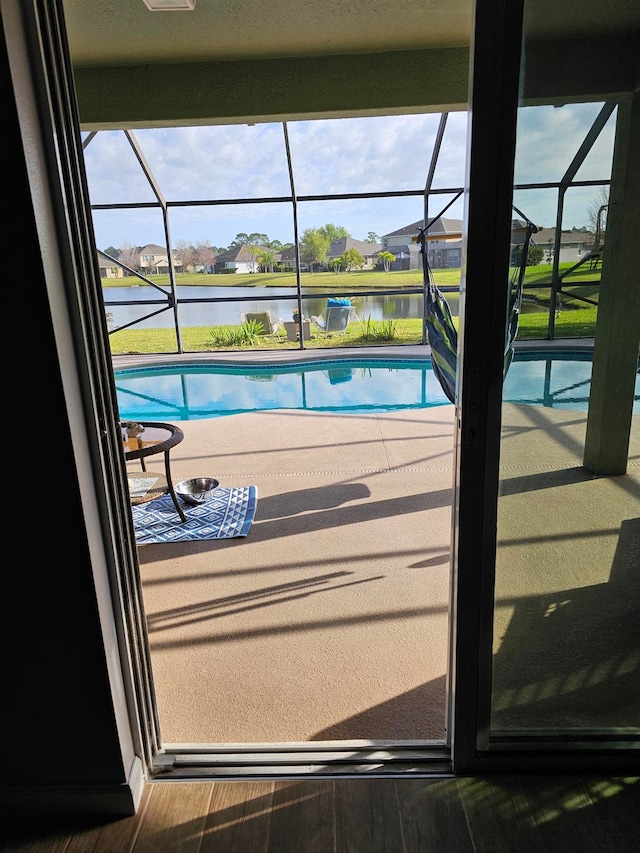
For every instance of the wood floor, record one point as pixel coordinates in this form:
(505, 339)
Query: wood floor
(506, 814)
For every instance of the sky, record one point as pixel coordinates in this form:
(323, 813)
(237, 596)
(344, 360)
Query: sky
(354, 155)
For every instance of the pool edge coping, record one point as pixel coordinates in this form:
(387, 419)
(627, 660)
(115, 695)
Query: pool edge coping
(405, 352)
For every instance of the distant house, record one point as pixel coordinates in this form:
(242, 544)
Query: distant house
(369, 251)
(445, 251)
(108, 269)
(240, 259)
(206, 268)
(407, 256)
(287, 259)
(574, 245)
(153, 260)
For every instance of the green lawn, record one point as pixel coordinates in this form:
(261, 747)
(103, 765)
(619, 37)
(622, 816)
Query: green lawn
(584, 283)
(542, 273)
(574, 320)
(573, 323)
(364, 279)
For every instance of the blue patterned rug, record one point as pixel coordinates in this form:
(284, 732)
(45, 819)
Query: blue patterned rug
(227, 514)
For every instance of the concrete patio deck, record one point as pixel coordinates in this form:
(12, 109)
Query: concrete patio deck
(330, 620)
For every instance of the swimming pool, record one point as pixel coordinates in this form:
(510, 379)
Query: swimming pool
(195, 391)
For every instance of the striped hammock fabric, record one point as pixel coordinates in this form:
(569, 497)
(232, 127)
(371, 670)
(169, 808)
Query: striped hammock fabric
(441, 332)
(443, 337)
(516, 286)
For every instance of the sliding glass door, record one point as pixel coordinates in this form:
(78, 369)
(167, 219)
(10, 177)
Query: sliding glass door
(548, 490)
(565, 629)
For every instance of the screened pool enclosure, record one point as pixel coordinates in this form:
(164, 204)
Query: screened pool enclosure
(198, 225)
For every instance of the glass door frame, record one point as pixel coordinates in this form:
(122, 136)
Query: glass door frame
(80, 323)
(494, 95)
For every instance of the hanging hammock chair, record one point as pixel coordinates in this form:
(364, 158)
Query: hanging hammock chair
(441, 332)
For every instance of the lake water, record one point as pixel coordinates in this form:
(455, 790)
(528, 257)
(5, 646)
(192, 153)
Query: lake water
(381, 307)
(228, 313)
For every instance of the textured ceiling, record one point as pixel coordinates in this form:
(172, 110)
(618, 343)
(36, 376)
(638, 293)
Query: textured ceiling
(116, 32)
(125, 32)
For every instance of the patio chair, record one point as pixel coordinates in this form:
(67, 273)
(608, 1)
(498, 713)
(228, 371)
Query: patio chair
(267, 319)
(335, 317)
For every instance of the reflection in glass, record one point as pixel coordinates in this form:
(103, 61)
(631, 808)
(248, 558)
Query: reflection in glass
(566, 639)
(597, 164)
(548, 138)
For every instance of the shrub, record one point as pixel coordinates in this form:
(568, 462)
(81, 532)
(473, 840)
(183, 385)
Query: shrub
(534, 255)
(378, 330)
(246, 334)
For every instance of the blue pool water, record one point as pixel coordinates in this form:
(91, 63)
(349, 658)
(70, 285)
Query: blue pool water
(189, 392)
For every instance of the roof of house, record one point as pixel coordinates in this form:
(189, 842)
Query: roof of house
(546, 235)
(440, 226)
(337, 248)
(240, 253)
(343, 244)
(288, 254)
(399, 249)
(152, 249)
(104, 263)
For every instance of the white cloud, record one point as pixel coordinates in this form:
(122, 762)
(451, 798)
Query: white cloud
(548, 139)
(372, 154)
(229, 161)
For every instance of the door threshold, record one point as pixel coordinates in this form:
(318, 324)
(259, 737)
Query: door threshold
(326, 759)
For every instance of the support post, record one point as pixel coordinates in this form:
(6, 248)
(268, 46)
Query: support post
(617, 338)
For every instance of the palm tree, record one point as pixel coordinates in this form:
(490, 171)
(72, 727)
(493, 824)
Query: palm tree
(387, 259)
(267, 260)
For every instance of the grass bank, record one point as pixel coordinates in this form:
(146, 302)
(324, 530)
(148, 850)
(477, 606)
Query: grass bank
(576, 323)
(354, 280)
(322, 281)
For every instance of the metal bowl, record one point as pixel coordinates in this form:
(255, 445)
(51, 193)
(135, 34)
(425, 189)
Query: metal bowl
(197, 490)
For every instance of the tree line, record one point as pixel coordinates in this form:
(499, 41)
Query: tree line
(314, 248)
(315, 243)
